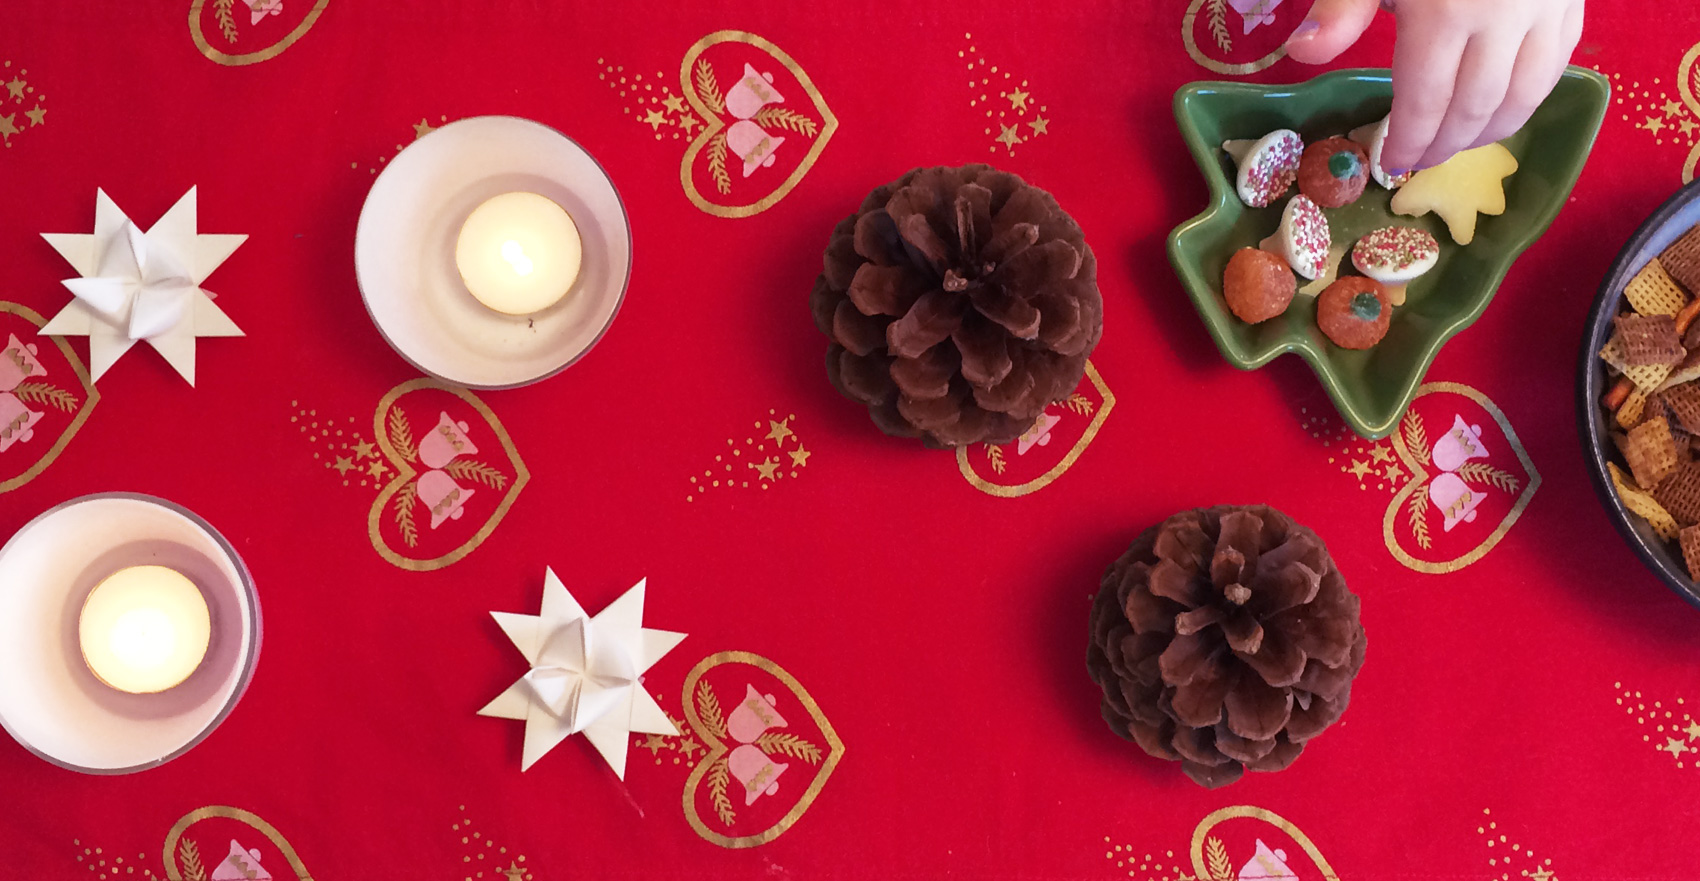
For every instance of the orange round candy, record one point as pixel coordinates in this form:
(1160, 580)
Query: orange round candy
(1333, 172)
(1258, 285)
(1354, 312)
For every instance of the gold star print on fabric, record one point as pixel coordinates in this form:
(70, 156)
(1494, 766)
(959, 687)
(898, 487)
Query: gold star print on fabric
(1693, 731)
(1672, 107)
(1018, 99)
(655, 743)
(1653, 124)
(767, 468)
(1675, 747)
(656, 119)
(1381, 454)
(7, 126)
(1393, 471)
(422, 128)
(365, 450)
(343, 465)
(689, 748)
(376, 469)
(1009, 138)
(674, 104)
(800, 457)
(16, 87)
(779, 431)
(38, 116)
(1040, 125)
(688, 123)
(1687, 126)
(1360, 468)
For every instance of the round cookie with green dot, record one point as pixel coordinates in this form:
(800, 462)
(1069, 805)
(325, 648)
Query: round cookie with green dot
(1333, 172)
(1354, 312)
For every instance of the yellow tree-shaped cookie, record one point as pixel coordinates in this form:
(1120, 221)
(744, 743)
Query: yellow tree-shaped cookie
(1458, 189)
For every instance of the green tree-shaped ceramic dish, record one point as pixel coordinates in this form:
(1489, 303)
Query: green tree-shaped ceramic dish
(1370, 388)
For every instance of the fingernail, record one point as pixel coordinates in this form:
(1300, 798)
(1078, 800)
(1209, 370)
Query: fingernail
(1396, 172)
(1304, 31)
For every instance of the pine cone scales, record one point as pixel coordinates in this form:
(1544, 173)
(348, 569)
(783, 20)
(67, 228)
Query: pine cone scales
(960, 302)
(1225, 638)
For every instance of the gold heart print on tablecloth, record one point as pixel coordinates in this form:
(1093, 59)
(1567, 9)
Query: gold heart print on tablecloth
(1470, 480)
(219, 842)
(1238, 37)
(240, 32)
(457, 474)
(770, 749)
(45, 396)
(765, 124)
(1047, 450)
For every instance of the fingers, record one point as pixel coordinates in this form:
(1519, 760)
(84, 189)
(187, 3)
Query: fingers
(1484, 74)
(1540, 62)
(1426, 58)
(1331, 28)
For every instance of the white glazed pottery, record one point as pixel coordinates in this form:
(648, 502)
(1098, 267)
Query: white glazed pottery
(50, 702)
(404, 252)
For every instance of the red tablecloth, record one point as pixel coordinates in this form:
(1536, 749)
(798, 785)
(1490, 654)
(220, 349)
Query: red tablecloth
(917, 618)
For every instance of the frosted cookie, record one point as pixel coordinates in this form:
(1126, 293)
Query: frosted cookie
(1303, 238)
(1267, 166)
(1395, 254)
(1371, 137)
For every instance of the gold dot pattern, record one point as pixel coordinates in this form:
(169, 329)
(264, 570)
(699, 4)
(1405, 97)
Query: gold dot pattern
(1013, 115)
(416, 130)
(1509, 859)
(23, 107)
(482, 858)
(340, 447)
(1665, 726)
(775, 454)
(1145, 865)
(652, 102)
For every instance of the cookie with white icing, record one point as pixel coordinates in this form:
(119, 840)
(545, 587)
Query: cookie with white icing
(1395, 254)
(1303, 238)
(1267, 166)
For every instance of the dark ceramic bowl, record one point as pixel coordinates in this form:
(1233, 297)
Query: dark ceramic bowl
(1679, 214)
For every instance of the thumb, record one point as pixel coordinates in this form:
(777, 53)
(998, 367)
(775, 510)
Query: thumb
(1331, 28)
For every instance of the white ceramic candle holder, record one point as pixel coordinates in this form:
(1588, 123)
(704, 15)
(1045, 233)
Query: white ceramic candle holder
(50, 702)
(404, 252)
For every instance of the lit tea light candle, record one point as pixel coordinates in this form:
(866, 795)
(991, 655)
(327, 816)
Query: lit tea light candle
(144, 629)
(519, 253)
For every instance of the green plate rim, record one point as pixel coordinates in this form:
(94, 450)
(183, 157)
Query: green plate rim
(1373, 426)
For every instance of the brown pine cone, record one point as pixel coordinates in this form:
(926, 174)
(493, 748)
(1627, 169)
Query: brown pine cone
(1225, 638)
(960, 302)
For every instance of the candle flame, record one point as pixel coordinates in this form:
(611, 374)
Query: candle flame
(514, 253)
(143, 638)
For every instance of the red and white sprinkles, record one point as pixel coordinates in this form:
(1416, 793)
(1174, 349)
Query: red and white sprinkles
(1305, 238)
(1395, 254)
(1269, 168)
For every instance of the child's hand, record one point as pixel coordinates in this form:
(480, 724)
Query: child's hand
(1465, 72)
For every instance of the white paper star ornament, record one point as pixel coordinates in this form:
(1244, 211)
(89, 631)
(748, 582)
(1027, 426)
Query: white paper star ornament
(142, 286)
(585, 674)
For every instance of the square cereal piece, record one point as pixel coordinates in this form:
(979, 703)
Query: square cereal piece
(1683, 402)
(1681, 260)
(1642, 505)
(1679, 493)
(1684, 444)
(1687, 371)
(1646, 378)
(1652, 292)
(1651, 453)
(1650, 339)
(1690, 540)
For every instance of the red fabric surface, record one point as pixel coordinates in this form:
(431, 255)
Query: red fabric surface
(938, 629)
